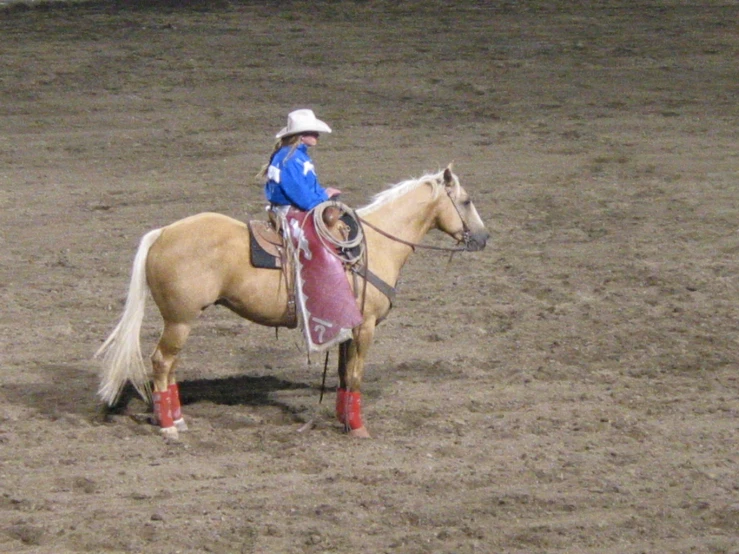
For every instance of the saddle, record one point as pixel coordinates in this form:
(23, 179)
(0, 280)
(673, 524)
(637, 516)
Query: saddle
(267, 245)
(307, 246)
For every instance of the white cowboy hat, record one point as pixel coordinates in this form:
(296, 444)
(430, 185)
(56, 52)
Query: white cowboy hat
(303, 121)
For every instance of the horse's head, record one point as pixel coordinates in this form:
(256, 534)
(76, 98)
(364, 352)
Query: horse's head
(457, 215)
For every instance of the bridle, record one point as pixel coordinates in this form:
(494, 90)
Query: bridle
(466, 234)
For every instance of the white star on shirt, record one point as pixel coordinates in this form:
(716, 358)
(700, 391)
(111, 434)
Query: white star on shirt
(308, 167)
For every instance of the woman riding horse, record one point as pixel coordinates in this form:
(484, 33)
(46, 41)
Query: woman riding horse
(205, 259)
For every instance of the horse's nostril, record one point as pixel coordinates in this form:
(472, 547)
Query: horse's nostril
(477, 242)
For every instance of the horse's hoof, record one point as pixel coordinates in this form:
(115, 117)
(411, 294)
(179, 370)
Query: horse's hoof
(180, 424)
(360, 433)
(170, 433)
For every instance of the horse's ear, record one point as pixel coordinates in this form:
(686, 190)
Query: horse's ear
(448, 176)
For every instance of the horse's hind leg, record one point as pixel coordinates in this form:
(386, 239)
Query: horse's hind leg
(167, 410)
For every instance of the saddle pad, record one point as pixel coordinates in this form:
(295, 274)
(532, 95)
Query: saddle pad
(265, 245)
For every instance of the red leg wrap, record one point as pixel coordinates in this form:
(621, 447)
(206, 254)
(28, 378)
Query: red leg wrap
(349, 408)
(340, 404)
(163, 409)
(174, 401)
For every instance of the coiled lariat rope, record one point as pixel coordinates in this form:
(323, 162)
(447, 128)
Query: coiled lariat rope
(350, 249)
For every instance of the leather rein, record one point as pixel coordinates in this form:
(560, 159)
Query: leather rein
(414, 245)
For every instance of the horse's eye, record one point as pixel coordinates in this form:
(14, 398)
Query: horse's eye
(467, 203)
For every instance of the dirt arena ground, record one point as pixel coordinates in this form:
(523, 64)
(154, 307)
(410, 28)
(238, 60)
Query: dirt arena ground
(573, 388)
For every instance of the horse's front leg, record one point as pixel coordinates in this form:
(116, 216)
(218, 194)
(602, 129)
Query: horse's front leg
(351, 369)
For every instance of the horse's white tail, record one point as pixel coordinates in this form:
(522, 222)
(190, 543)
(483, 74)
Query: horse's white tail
(121, 351)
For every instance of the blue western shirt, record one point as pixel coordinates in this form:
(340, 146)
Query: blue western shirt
(292, 179)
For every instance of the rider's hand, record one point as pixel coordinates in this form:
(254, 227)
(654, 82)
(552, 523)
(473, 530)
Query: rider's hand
(332, 192)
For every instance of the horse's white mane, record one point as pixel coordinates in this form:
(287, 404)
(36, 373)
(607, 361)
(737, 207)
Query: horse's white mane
(400, 189)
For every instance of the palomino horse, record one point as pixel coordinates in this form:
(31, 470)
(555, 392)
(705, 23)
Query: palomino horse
(204, 260)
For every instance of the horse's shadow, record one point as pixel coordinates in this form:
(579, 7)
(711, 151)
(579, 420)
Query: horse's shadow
(243, 390)
(71, 390)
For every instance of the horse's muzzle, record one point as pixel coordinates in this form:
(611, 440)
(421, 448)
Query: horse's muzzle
(474, 242)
